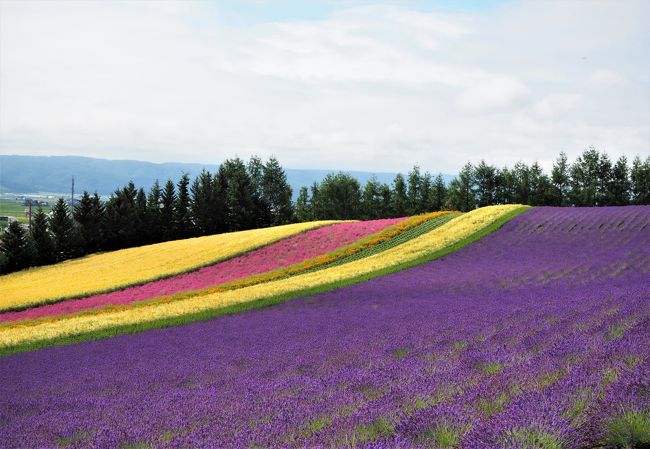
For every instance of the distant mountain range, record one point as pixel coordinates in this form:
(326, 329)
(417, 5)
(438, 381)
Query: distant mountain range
(53, 174)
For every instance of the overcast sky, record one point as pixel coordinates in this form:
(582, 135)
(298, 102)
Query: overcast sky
(376, 86)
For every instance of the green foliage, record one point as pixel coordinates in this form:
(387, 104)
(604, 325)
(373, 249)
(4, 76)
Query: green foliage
(444, 435)
(460, 344)
(529, 438)
(181, 210)
(379, 428)
(630, 430)
(615, 331)
(315, 425)
(372, 200)
(238, 189)
(43, 244)
(276, 193)
(153, 220)
(492, 406)
(401, 353)
(437, 194)
(399, 199)
(339, 198)
(560, 178)
(461, 194)
(303, 210)
(577, 409)
(640, 180)
(491, 368)
(207, 205)
(16, 246)
(123, 222)
(167, 202)
(63, 231)
(89, 213)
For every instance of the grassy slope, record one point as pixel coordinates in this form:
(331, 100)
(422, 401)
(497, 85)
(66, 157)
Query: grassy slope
(265, 302)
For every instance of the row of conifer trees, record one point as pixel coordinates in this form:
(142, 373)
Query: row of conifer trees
(256, 194)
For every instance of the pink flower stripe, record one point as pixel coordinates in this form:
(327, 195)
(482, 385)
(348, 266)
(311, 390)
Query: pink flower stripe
(277, 255)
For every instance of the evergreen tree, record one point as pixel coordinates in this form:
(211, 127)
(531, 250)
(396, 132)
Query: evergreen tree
(504, 187)
(122, 223)
(261, 215)
(399, 199)
(63, 231)
(240, 206)
(276, 193)
(385, 194)
(153, 219)
(181, 210)
(540, 186)
(438, 194)
(315, 203)
(640, 177)
(426, 185)
(620, 184)
(167, 202)
(303, 210)
(142, 215)
(585, 179)
(207, 204)
(485, 180)
(371, 200)
(460, 194)
(16, 247)
(89, 215)
(340, 196)
(521, 183)
(605, 178)
(413, 193)
(560, 179)
(43, 244)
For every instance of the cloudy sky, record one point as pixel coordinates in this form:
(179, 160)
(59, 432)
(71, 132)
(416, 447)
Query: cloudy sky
(333, 84)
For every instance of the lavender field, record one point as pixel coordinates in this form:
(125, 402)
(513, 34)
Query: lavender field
(536, 336)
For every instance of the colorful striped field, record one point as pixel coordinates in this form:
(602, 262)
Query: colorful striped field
(503, 328)
(406, 250)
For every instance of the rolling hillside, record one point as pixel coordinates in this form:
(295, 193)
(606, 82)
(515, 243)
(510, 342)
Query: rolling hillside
(506, 327)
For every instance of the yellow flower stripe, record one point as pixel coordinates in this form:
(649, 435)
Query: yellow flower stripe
(435, 240)
(318, 261)
(119, 269)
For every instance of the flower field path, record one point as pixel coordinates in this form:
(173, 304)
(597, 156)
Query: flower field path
(535, 336)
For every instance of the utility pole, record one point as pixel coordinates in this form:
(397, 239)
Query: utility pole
(30, 213)
(72, 195)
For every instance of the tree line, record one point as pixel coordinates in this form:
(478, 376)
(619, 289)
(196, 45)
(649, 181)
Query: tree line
(591, 180)
(256, 194)
(237, 197)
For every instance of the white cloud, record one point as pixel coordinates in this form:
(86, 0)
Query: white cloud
(369, 87)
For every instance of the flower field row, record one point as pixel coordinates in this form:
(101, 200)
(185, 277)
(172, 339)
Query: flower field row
(396, 236)
(120, 269)
(283, 253)
(444, 354)
(172, 311)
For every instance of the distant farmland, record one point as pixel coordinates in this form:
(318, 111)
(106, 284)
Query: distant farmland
(10, 207)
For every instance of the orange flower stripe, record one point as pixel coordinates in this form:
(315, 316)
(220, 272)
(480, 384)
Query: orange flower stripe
(318, 261)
